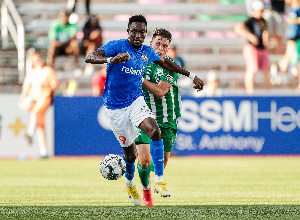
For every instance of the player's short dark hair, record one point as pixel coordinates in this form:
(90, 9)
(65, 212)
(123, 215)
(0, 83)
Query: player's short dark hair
(163, 33)
(137, 18)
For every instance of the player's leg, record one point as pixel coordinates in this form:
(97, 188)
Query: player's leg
(169, 137)
(125, 133)
(129, 158)
(150, 127)
(142, 117)
(144, 168)
(144, 158)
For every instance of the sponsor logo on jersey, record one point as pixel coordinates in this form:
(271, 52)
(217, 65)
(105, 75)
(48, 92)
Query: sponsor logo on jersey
(170, 78)
(145, 58)
(133, 71)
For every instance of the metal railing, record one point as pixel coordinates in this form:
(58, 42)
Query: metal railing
(13, 24)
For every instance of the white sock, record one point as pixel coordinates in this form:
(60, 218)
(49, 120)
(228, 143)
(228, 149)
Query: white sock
(158, 179)
(129, 183)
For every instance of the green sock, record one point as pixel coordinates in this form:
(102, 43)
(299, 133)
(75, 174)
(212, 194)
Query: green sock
(144, 174)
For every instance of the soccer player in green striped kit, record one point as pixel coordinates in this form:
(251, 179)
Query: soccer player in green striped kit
(162, 96)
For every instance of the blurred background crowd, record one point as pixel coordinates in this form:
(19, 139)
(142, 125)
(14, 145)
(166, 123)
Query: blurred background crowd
(238, 47)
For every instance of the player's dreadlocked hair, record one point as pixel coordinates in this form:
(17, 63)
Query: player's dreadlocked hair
(163, 33)
(137, 18)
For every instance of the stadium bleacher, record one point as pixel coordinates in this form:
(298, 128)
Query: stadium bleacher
(202, 31)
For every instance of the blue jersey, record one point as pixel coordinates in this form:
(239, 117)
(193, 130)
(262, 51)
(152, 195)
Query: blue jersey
(123, 82)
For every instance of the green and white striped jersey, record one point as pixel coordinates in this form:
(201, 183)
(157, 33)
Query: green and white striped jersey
(167, 109)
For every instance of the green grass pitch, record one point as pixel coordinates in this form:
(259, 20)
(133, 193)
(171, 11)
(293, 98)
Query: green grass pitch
(202, 188)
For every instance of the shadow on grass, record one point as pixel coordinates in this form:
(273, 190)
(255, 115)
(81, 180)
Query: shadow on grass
(156, 212)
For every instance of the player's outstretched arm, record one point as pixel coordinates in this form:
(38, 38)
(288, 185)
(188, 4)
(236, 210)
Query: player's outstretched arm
(98, 57)
(173, 67)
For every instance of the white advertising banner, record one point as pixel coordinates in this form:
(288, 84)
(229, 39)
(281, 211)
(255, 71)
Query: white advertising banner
(13, 126)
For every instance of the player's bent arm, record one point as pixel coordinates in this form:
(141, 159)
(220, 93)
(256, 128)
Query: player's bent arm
(98, 57)
(159, 90)
(173, 67)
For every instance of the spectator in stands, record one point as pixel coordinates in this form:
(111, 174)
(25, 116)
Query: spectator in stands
(294, 62)
(173, 53)
(92, 39)
(36, 97)
(255, 52)
(211, 88)
(62, 36)
(274, 15)
(292, 33)
(98, 82)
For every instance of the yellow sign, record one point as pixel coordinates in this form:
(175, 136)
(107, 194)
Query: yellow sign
(17, 126)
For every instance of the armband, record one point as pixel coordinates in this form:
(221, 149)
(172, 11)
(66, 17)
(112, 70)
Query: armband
(192, 76)
(109, 59)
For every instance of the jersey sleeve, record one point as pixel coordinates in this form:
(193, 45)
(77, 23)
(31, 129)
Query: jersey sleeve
(153, 56)
(110, 48)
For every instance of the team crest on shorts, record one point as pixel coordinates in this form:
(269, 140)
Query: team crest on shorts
(145, 58)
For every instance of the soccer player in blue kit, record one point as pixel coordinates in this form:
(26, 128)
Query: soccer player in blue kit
(124, 100)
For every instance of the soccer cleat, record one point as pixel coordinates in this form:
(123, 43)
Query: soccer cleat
(147, 197)
(162, 189)
(134, 195)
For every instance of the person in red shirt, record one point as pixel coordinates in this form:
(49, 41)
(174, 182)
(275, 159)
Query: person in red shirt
(98, 82)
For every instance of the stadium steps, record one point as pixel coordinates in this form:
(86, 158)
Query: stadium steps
(208, 42)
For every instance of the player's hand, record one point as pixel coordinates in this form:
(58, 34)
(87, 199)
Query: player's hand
(198, 83)
(120, 58)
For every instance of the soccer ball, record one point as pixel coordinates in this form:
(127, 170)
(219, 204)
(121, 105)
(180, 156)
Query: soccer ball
(112, 167)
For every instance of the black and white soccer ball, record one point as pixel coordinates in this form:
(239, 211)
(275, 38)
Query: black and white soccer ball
(112, 167)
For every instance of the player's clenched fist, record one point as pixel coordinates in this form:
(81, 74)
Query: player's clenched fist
(120, 58)
(198, 83)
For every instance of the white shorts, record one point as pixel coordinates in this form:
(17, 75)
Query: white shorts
(124, 121)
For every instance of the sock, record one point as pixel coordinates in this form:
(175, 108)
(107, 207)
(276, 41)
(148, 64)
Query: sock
(144, 176)
(129, 183)
(157, 153)
(158, 179)
(129, 173)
